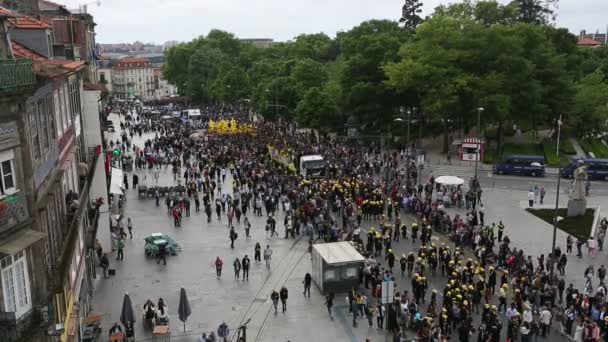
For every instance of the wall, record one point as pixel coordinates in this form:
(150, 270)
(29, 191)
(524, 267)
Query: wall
(33, 39)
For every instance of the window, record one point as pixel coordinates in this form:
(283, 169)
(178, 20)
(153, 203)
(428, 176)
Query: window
(35, 142)
(7, 173)
(15, 283)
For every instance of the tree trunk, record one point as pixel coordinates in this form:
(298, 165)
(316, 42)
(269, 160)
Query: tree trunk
(499, 139)
(446, 140)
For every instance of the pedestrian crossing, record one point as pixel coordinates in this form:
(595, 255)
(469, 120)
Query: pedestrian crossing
(464, 172)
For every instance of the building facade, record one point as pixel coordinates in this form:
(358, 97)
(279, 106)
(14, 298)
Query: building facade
(162, 87)
(46, 172)
(133, 77)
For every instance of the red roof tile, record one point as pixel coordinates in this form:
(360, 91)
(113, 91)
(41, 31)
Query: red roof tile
(6, 11)
(132, 63)
(20, 51)
(25, 22)
(584, 41)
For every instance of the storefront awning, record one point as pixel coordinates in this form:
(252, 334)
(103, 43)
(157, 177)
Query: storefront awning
(20, 241)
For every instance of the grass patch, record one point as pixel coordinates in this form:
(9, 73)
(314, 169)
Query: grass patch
(579, 226)
(490, 156)
(565, 149)
(596, 146)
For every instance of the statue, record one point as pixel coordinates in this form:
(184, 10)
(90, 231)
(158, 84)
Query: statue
(577, 204)
(580, 177)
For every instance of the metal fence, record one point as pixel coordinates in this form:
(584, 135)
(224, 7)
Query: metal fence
(16, 75)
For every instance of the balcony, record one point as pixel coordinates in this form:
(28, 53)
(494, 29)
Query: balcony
(16, 76)
(72, 224)
(25, 327)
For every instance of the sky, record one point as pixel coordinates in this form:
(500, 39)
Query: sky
(158, 21)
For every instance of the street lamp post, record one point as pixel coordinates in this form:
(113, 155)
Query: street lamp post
(479, 110)
(559, 178)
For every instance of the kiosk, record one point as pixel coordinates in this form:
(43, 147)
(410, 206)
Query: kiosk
(471, 149)
(336, 266)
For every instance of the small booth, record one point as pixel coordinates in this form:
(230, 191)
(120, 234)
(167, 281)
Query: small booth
(471, 149)
(336, 266)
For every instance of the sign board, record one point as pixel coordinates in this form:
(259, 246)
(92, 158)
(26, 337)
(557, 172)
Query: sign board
(388, 292)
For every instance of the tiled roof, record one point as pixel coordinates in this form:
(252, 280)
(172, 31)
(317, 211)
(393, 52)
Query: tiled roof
(5, 11)
(132, 63)
(134, 60)
(25, 22)
(584, 41)
(20, 51)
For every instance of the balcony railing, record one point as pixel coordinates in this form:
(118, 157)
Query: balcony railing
(16, 76)
(23, 328)
(73, 222)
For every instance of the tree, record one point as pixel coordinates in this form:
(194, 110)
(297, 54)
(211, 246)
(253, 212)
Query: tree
(590, 110)
(539, 12)
(317, 109)
(410, 14)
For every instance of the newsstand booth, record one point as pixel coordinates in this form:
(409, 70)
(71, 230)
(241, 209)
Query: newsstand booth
(336, 266)
(471, 149)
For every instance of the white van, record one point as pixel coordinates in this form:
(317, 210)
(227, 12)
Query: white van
(191, 115)
(313, 166)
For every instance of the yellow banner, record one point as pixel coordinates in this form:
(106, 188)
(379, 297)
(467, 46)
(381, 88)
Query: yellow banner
(229, 127)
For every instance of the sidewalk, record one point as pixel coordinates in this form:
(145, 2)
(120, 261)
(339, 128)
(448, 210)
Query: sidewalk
(534, 235)
(580, 153)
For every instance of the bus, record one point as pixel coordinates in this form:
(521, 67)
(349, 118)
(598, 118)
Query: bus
(596, 168)
(313, 166)
(522, 165)
(191, 115)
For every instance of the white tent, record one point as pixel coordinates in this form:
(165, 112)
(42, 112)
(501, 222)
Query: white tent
(449, 180)
(116, 182)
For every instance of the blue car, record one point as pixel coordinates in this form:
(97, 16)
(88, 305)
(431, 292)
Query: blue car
(596, 168)
(521, 165)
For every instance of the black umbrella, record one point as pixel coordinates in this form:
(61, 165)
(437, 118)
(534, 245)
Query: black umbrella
(184, 307)
(126, 315)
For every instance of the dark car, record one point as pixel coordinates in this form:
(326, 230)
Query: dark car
(596, 168)
(521, 165)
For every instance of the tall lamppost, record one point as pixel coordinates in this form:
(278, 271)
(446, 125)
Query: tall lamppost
(559, 178)
(479, 110)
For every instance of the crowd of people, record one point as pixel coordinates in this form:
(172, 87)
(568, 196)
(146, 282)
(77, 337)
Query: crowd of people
(491, 288)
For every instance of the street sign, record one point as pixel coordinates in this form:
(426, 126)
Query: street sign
(388, 292)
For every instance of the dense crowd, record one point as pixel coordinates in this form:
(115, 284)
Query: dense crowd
(492, 289)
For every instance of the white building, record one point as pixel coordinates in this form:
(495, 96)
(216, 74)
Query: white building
(162, 87)
(104, 75)
(133, 77)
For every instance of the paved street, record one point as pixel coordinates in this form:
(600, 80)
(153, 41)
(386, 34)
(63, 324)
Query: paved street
(225, 299)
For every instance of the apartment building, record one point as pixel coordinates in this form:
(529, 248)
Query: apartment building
(133, 77)
(46, 171)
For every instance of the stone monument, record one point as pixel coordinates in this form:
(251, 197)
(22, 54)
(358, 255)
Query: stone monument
(577, 204)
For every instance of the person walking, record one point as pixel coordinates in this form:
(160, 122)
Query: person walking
(245, 263)
(531, 198)
(162, 252)
(237, 268)
(284, 294)
(247, 225)
(218, 266)
(267, 256)
(545, 320)
(130, 227)
(569, 243)
(104, 263)
(257, 252)
(542, 194)
(120, 245)
(329, 303)
(233, 235)
(307, 282)
(274, 296)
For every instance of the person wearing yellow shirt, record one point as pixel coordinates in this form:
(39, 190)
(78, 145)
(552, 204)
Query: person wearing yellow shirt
(502, 297)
